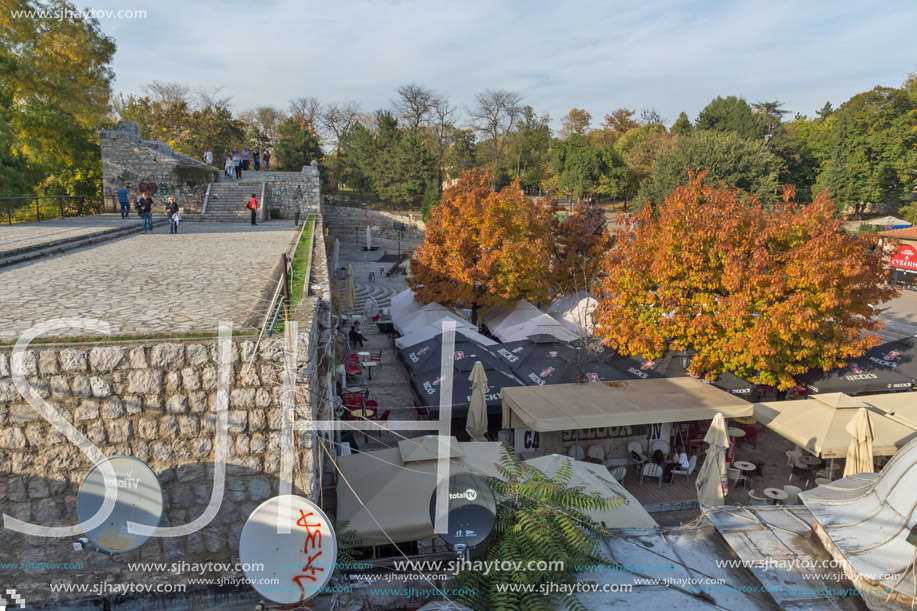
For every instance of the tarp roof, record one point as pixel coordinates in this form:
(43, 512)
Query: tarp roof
(818, 423)
(596, 478)
(574, 311)
(427, 355)
(436, 329)
(562, 407)
(495, 316)
(864, 522)
(899, 355)
(427, 385)
(427, 315)
(860, 375)
(538, 324)
(674, 364)
(543, 359)
(397, 494)
(403, 305)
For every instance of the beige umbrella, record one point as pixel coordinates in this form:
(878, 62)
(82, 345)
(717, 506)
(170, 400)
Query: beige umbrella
(476, 425)
(350, 298)
(859, 454)
(713, 472)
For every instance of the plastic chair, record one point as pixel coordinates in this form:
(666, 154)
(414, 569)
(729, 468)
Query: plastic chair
(353, 399)
(660, 444)
(635, 452)
(802, 472)
(576, 452)
(754, 499)
(596, 451)
(735, 476)
(751, 434)
(376, 357)
(651, 470)
(383, 417)
(692, 463)
(792, 456)
(793, 493)
(619, 474)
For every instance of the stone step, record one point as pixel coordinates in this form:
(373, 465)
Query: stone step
(45, 249)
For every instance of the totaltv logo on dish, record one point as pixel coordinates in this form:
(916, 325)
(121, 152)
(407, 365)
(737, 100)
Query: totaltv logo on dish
(469, 494)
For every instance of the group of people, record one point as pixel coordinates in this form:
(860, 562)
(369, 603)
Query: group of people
(145, 209)
(677, 459)
(235, 162)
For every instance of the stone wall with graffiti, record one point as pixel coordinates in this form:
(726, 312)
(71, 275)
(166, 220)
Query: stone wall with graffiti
(146, 166)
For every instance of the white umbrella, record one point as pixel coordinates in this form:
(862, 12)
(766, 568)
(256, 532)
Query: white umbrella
(710, 479)
(476, 425)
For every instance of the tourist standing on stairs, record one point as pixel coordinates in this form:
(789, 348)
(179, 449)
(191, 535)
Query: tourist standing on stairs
(266, 158)
(256, 159)
(228, 169)
(124, 201)
(172, 211)
(297, 210)
(146, 211)
(237, 164)
(245, 159)
(253, 206)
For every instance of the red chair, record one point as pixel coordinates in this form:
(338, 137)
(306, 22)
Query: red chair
(354, 400)
(422, 412)
(376, 357)
(751, 434)
(351, 359)
(354, 371)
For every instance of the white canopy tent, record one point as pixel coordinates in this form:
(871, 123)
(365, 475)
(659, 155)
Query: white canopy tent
(434, 329)
(403, 305)
(424, 316)
(540, 324)
(574, 312)
(497, 317)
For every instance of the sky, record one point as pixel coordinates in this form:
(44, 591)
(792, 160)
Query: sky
(673, 56)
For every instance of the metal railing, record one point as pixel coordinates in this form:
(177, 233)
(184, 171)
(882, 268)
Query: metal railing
(43, 208)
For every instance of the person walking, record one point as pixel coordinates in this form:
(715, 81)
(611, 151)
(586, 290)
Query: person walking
(208, 157)
(297, 210)
(245, 156)
(172, 211)
(237, 164)
(253, 206)
(146, 211)
(124, 201)
(256, 159)
(266, 159)
(227, 166)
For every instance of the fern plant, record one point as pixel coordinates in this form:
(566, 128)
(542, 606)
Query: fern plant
(539, 518)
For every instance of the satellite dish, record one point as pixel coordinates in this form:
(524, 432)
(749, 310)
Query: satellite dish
(301, 560)
(138, 500)
(472, 510)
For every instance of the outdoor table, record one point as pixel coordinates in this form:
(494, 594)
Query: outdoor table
(362, 355)
(746, 420)
(734, 432)
(361, 412)
(811, 460)
(744, 465)
(369, 365)
(775, 494)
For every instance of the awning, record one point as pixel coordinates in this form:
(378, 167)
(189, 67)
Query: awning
(539, 324)
(435, 329)
(574, 311)
(432, 313)
(497, 316)
(561, 407)
(397, 493)
(403, 305)
(899, 356)
(819, 423)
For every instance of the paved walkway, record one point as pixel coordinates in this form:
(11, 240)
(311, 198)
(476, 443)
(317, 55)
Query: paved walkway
(25, 235)
(150, 284)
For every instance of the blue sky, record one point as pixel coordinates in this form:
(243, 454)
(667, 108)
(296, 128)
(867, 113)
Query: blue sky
(673, 56)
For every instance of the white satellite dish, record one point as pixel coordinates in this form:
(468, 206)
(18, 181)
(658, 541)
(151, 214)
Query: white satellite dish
(138, 500)
(291, 566)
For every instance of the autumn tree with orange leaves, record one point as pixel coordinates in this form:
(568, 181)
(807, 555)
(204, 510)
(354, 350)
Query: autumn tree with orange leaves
(581, 240)
(482, 247)
(764, 294)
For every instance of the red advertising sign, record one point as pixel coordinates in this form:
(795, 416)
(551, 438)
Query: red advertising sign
(905, 258)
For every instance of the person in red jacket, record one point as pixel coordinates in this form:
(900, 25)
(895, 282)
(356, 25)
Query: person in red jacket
(253, 206)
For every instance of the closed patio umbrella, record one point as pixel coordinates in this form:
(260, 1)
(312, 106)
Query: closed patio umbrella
(710, 478)
(859, 454)
(476, 425)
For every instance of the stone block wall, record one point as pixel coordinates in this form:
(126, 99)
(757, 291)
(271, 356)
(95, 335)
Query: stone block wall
(137, 164)
(156, 402)
(284, 186)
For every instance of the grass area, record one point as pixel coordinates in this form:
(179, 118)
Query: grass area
(300, 271)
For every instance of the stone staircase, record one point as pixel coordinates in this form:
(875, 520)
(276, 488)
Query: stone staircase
(228, 197)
